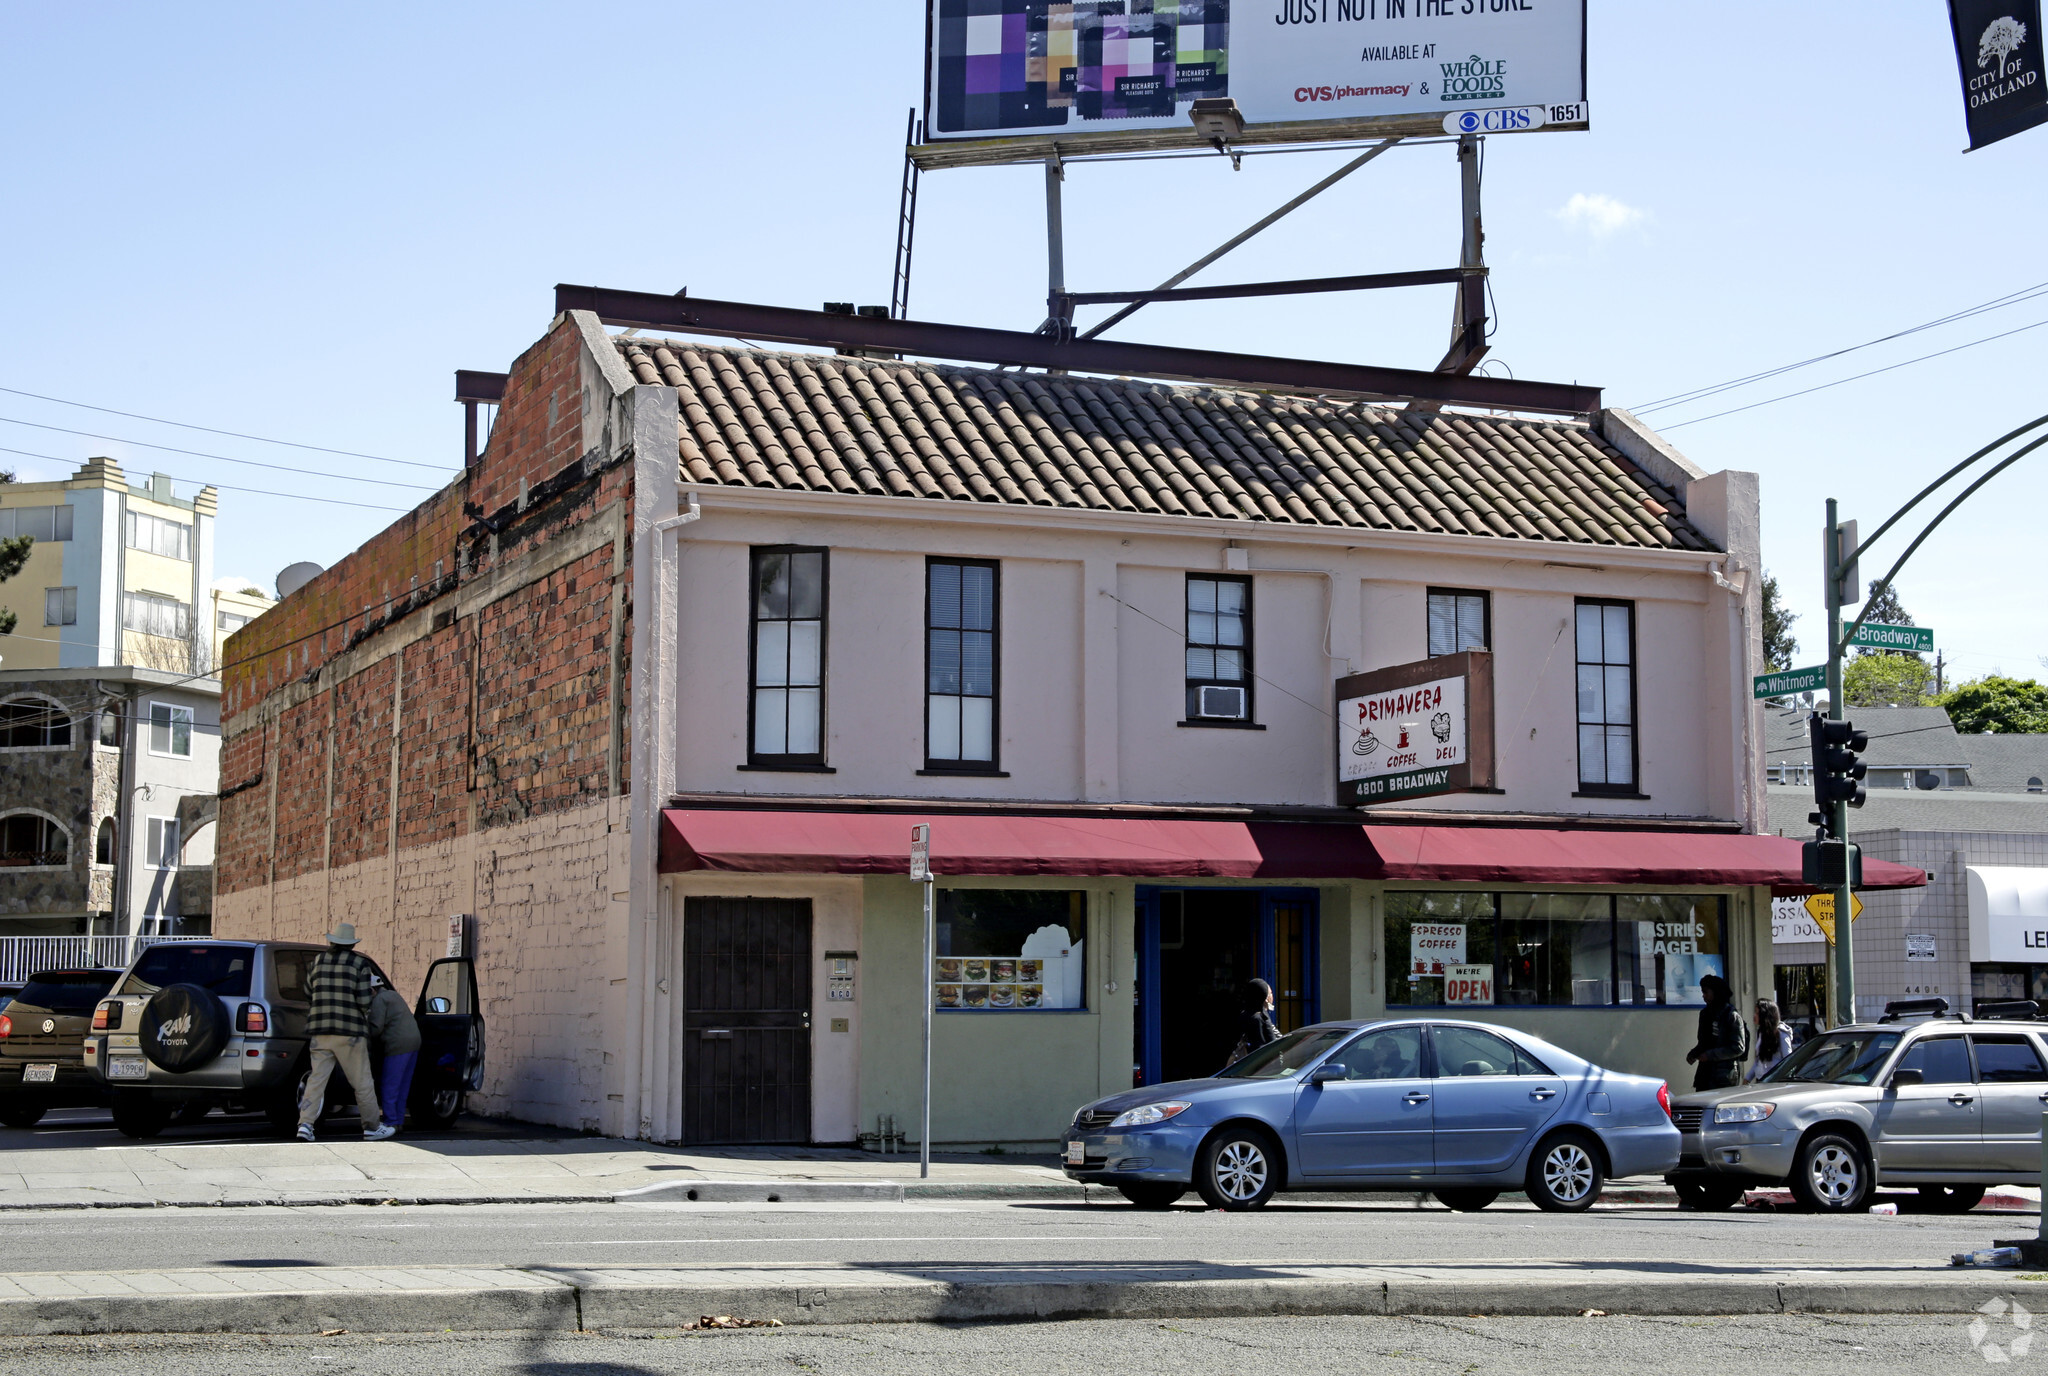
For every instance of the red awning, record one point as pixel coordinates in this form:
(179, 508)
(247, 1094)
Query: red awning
(750, 842)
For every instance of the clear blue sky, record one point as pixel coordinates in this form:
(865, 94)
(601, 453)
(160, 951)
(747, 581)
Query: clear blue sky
(297, 221)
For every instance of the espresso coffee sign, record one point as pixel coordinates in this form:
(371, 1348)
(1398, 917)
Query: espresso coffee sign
(1416, 729)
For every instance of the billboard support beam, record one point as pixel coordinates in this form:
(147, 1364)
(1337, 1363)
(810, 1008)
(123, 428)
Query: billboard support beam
(1192, 268)
(906, 226)
(1059, 311)
(1015, 348)
(1468, 323)
(1427, 277)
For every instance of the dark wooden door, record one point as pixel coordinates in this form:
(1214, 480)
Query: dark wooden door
(747, 1020)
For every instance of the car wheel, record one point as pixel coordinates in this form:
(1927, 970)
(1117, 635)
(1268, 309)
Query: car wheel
(443, 1107)
(1565, 1175)
(1147, 1195)
(1466, 1201)
(1950, 1199)
(1239, 1168)
(1830, 1174)
(1709, 1196)
(138, 1115)
(22, 1115)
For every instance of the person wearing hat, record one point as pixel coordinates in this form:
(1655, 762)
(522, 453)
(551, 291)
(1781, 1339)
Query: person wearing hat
(343, 986)
(1723, 1042)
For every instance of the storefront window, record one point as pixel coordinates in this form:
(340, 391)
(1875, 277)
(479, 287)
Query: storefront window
(1992, 983)
(1550, 949)
(1011, 950)
(1666, 943)
(1429, 935)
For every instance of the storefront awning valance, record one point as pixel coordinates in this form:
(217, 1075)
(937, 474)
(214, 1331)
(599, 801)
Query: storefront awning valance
(756, 842)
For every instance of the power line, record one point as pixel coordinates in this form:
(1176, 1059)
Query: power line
(2012, 298)
(231, 434)
(229, 487)
(202, 454)
(1807, 391)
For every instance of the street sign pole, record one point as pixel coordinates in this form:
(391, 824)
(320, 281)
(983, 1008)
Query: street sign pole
(921, 869)
(1842, 984)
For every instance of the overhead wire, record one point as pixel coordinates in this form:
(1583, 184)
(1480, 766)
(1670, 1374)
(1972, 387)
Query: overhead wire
(231, 487)
(231, 434)
(202, 454)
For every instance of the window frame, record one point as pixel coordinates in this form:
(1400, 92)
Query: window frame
(63, 833)
(1485, 617)
(67, 606)
(157, 829)
(57, 718)
(1191, 686)
(993, 765)
(171, 725)
(131, 529)
(1633, 788)
(135, 597)
(813, 760)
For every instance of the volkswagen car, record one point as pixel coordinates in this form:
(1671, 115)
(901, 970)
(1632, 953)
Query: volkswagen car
(1465, 1110)
(1944, 1105)
(42, 1038)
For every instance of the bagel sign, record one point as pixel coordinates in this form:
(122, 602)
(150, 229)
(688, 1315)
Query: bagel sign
(1416, 729)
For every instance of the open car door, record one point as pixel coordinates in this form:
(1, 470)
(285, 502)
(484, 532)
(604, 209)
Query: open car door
(451, 1060)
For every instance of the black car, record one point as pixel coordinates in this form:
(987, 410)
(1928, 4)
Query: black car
(42, 1045)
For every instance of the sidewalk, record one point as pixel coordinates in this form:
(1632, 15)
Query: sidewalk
(570, 1170)
(489, 1299)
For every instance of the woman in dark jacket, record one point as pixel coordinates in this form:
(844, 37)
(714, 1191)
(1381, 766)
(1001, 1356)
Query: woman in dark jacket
(1255, 1024)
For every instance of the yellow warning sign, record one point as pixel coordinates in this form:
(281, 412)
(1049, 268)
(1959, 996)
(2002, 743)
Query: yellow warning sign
(1822, 907)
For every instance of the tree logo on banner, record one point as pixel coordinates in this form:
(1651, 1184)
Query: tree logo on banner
(1998, 1353)
(2005, 37)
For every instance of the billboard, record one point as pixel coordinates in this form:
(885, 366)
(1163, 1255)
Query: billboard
(1999, 48)
(1416, 729)
(1122, 73)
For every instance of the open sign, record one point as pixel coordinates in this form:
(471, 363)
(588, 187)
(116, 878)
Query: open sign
(1469, 984)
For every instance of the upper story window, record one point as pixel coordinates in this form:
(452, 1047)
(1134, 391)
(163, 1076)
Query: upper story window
(960, 664)
(152, 614)
(170, 729)
(1219, 649)
(1607, 696)
(110, 727)
(29, 839)
(157, 535)
(40, 522)
(232, 621)
(1459, 621)
(34, 723)
(160, 847)
(60, 606)
(788, 675)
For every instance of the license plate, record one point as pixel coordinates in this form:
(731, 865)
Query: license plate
(127, 1070)
(1077, 1153)
(39, 1074)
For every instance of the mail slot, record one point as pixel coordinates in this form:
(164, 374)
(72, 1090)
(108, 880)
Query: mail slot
(717, 1034)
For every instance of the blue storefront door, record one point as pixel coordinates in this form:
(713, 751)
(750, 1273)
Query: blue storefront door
(1197, 948)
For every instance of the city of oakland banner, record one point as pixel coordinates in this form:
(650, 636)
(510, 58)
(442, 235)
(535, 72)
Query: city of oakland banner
(1998, 49)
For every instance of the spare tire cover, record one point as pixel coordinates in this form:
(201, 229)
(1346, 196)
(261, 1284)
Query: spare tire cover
(184, 1026)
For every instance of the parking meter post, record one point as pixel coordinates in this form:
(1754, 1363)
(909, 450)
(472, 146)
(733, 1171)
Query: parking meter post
(924, 1134)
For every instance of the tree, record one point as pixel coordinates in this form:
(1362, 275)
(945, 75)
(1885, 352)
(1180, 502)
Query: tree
(1886, 610)
(1886, 680)
(1779, 642)
(13, 555)
(1997, 704)
(2005, 37)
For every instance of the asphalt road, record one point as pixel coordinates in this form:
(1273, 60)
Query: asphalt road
(1383, 1229)
(1280, 1346)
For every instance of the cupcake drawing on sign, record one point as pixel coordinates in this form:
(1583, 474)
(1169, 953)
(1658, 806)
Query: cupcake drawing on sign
(1366, 744)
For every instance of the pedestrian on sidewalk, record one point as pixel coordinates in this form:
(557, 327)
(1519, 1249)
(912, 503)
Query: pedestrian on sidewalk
(396, 1036)
(1723, 1041)
(1255, 1024)
(339, 1027)
(1773, 1040)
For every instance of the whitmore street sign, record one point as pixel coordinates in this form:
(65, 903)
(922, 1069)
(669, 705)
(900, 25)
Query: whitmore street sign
(1786, 682)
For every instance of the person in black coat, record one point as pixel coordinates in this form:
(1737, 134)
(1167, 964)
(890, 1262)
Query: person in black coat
(1722, 1042)
(1255, 1025)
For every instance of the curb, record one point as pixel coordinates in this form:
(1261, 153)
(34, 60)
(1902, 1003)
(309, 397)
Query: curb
(537, 1301)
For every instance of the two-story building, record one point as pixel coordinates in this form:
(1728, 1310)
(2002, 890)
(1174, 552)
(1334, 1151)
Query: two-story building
(657, 690)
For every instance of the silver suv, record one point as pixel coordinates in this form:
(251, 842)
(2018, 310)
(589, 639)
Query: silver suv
(1947, 1105)
(191, 1026)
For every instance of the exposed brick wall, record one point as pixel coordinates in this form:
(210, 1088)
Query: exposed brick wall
(363, 707)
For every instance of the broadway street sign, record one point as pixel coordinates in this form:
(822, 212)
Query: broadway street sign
(1875, 635)
(1786, 682)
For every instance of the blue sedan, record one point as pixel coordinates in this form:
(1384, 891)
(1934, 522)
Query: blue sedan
(1465, 1110)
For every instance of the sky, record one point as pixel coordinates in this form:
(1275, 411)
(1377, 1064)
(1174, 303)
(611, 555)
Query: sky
(295, 222)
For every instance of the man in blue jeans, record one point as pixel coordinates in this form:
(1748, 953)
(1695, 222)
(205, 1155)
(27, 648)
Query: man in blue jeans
(396, 1035)
(339, 1028)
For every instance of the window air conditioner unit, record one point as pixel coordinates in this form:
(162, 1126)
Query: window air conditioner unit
(1224, 703)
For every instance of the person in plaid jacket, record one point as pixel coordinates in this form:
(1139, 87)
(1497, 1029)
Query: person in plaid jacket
(343, 987)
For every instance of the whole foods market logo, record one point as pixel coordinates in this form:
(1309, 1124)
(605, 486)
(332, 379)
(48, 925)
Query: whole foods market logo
(1476, 78)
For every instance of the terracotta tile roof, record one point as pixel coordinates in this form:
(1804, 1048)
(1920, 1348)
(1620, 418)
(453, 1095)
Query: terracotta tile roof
(755, 418)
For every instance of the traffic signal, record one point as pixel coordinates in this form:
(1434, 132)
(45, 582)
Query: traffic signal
(1837, 773)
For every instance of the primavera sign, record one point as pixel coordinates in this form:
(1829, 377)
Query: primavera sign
(1416, 729)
